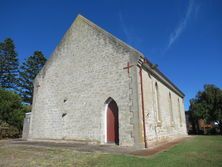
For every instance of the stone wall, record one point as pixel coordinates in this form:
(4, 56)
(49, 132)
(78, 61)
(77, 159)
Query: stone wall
(170, 122)
(26, 125)
(83, 72)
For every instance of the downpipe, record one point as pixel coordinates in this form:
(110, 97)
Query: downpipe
(142, 100)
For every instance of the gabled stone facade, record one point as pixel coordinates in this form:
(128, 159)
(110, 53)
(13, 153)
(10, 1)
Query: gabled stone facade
(89, 67)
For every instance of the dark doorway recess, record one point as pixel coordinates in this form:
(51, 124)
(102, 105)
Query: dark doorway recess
(112, 123)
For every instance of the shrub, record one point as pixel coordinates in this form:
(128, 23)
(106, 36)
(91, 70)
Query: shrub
(12, 113)
(211, 131)
(8, 131)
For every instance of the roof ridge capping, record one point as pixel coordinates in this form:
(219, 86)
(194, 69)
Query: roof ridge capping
(167, 81)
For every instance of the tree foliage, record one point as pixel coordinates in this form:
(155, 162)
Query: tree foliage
(8, 65)
(208, 105)
(28, 71)
(12, 111)
(16, 79)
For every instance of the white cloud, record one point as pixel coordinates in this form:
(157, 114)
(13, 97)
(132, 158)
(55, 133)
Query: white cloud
(181, 26)
(124, 28)
(131, 37)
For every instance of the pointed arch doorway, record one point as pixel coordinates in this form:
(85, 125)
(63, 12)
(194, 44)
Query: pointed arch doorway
(112, 122)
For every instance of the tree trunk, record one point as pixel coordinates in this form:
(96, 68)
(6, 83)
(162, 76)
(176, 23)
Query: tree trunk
(197, 127)
(220, 127)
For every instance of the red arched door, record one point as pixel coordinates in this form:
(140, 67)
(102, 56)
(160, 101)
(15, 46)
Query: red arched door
(112, 123)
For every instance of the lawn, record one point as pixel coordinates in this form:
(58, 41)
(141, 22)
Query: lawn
(197, 151)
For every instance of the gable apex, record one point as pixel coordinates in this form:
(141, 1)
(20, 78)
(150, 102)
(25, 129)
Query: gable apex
(107, 34)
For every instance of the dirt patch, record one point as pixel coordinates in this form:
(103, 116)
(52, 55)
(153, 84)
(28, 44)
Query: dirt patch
(77, 146)
(159, 148)
(84, 147)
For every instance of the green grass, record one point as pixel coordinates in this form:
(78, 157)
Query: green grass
(198, 151)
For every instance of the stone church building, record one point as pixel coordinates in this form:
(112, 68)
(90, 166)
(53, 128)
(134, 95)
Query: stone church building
(97, 88)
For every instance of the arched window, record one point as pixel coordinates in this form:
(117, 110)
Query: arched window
(179, 110)
(171, 110)
(157, 103)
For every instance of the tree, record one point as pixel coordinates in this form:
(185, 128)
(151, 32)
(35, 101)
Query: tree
(12, 111)
(8, 65)
(208, 105)
(27, 73)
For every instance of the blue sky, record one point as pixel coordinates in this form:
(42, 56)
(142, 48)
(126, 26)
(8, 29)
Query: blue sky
(184, 37)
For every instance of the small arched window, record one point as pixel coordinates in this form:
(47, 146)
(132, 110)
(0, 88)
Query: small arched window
(157, 103)
(179, 110)
(171, 110)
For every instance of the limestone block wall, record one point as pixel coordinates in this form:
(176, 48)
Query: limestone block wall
(85, 70)
(26, 125)
(164, 118)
